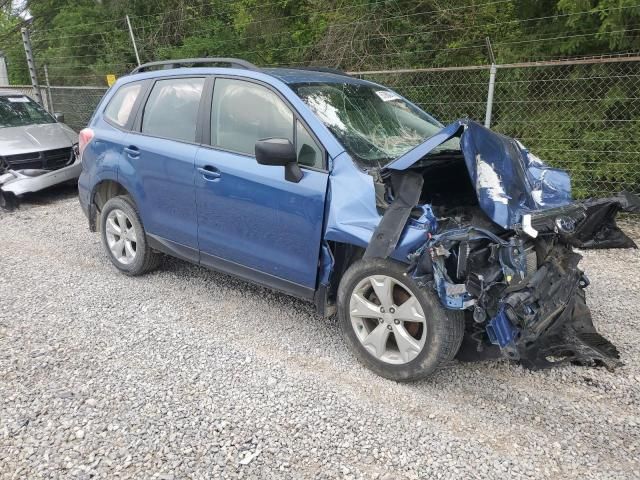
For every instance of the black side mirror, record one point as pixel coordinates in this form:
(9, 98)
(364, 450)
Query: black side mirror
(279, 152)
(59, 117)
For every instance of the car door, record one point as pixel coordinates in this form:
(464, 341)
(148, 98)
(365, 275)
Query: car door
(251, 221)
(159, 160)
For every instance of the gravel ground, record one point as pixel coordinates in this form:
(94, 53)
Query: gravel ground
(186, 373)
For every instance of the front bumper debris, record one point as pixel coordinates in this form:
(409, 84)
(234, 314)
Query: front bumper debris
(14, 183)
(546, 321)
(526, 296)
(589, 224)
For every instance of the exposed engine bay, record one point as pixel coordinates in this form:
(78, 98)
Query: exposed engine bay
(520, 285)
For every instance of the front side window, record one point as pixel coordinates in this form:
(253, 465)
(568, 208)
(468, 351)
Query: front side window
(243, 113)
(20, 110)
(309, 154)
(172, 109)
(374, 125)
(119, 108)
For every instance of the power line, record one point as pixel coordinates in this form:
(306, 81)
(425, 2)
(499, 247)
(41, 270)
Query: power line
(385, 37)
(564, 37)
(133, 18)
(362, 41)
(464, 7)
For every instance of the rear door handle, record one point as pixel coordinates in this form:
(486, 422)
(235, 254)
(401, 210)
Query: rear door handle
(132, 151)
(209, 173)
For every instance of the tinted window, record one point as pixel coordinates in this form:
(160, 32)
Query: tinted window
(309, 154)
(119, 108)
(172, 109)
(243, 113)
(19, 110)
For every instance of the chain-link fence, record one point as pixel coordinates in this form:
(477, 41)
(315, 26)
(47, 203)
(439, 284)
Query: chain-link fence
(76, 103)
(582, 116)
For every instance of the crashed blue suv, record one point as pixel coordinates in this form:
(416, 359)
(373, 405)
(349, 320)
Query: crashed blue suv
(427, 241)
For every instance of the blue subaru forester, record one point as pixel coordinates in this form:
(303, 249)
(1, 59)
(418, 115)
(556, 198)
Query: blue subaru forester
(428, 241)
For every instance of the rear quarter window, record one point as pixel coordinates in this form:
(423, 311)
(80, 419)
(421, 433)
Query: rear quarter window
(121, 104)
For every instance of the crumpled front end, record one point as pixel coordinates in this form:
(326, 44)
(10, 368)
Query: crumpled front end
(492, 229)
(41, 170)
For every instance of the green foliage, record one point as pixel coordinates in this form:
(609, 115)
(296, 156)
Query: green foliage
(583, 117)
(89, 37)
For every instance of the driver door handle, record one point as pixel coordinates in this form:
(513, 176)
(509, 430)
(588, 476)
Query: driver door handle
(132, 151)
(209, 173)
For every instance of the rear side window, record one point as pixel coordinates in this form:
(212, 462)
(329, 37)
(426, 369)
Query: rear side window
(243, 113)
(119, 108)
(172, 109)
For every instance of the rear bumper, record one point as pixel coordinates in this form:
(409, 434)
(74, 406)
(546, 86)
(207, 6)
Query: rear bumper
(85, 200)
(19, 182)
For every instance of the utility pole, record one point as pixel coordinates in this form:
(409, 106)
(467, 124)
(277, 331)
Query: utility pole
(492, 84)
(26, 41)
(133, 40)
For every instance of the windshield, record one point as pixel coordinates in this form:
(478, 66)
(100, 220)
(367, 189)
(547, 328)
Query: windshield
(373, 124)
(19, 110)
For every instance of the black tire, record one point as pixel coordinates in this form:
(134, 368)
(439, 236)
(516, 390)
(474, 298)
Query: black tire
(444, 329)
(8, 201)
(456, 320)
(145, 259)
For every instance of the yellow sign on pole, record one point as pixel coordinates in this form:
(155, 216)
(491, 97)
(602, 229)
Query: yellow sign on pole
(111, 79)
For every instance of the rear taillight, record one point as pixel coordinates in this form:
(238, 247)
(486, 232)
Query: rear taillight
(84, 137)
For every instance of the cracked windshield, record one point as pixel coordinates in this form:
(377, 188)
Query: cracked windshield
(20, 111)
(374, 125)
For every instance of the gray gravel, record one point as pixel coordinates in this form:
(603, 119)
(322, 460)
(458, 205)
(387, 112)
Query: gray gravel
(187, 373)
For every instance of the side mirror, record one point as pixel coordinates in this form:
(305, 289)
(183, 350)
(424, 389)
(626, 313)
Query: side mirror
(279, 152)
(59, 117)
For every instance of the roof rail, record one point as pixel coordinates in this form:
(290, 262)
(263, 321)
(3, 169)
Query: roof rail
(322, 70)
(234, 62)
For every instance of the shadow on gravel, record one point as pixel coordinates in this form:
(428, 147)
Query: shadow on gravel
(45, 197)
(630, 224)
(213, 280)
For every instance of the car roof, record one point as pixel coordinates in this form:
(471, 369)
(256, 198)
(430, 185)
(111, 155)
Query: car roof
(308, 75)
(12, 93)
(287, 75)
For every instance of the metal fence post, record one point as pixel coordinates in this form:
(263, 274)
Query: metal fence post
(26, 41)
(49, 97)
(492, 85)
(4, 76)
(133, 40)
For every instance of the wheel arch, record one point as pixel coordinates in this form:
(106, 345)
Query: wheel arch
(344, 255)
(101, 193)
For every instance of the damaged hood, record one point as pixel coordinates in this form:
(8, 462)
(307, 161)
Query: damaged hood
(509, 181)
(35, 138)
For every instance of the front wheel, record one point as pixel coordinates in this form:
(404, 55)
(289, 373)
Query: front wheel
(395, 328)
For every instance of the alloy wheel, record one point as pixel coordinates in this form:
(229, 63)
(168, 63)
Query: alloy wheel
(121, 236)
(388, 319)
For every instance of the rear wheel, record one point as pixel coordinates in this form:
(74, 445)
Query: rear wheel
(395, 328)
(124, 238)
